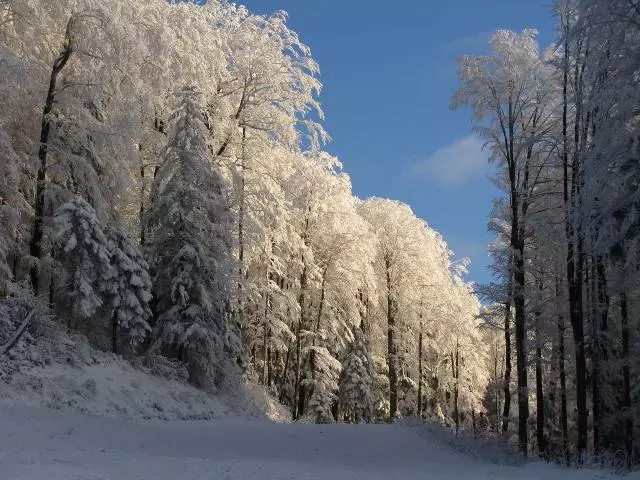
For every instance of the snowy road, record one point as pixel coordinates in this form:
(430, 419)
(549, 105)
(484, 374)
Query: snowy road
(48, 445)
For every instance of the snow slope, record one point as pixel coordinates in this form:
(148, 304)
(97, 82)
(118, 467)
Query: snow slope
(38, 444)
(67, 373)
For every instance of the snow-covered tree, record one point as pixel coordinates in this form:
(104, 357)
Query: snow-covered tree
(85, 255)
(356, 381)
(191, 248)
(128, 289)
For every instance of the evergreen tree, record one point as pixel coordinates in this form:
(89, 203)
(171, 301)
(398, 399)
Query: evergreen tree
(128, 289)
(356, 381)
(191, 247)
(85, 257)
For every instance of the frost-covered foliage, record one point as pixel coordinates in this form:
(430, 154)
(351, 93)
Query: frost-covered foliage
(324, 385)
(12, 206)
(84, 251)
(190, 242)
(562, 126)
(203, 226)
(356, 381)
(128, 288)
(14, 310)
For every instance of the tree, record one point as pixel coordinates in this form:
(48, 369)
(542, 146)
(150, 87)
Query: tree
(356, 381)
(87, 260)
(509, 86)
(128, 289)
(194, 271)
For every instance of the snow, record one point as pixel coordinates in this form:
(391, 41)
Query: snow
(39, 443)
(70, 374)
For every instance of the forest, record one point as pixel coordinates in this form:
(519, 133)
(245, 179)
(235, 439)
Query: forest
(164, 193)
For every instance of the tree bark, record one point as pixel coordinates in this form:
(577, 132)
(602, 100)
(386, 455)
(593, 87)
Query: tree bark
(542, 447)
(285, 370)
(595, 358)
(521, 352)
(455, 366)
(114, 332)
(420, 369)
(507, 367)
(265, 339)
(301, 301)
(564, 420)
(391, 346)
(35, 245)
(603, 316)
(16, 336)
(626, 379)
(241, 208)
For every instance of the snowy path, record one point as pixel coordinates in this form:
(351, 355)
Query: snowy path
(48, 445)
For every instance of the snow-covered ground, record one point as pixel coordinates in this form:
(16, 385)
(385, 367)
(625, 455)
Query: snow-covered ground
(67, 373)
(41, 444)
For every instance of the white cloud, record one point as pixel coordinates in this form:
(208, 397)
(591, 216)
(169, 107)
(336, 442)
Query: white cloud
(454, 165)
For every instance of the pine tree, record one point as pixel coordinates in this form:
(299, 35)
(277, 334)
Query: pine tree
(190, 247)
(356, 381)
(324, 385)
(128, 289)
(85, 257)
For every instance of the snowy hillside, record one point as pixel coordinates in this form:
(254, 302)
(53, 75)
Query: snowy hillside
(67, 373)
(38, 444)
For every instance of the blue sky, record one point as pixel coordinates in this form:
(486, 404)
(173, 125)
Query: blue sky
(389, 72)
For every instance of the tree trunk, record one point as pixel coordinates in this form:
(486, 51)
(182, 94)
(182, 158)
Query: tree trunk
(626, 379)
(455, 365)
(592, 292)
(285, 370)
(141, 210)
(316, 329)
(391, 346)
(265, 339)
(420, 369)
(241, 208)
(507, 367)
(521, 351)
(301, 302)
(603, 310)
(35, 245)
(114, 332)
(578, 338)
(496, 395)
(542, 448)
(564, 421)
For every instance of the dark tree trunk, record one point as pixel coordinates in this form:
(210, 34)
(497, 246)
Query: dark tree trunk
(285, 370)
(603, 310)
(312, 357)
(542, 447)
(455, 366)
(141, 212)
(269, 367)
(265, 340)
(301, 301)
(596, 350)
(391, 346)
(564, 422)
(507, 368)
(563, 382)
(577, 323)
(241, 209)
(496, 395)
(521, 352)
(35, 245)
(114, 332)
(420, 369)
(626, 379)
